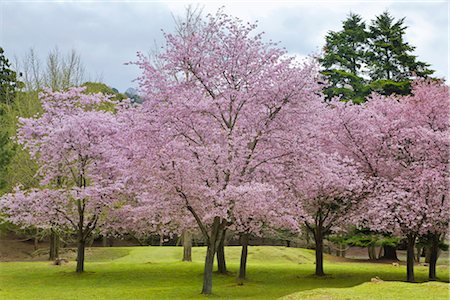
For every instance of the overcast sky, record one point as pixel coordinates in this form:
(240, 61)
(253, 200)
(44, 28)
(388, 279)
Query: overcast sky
(108, 34)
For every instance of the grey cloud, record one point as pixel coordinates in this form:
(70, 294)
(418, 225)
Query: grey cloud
(108, 34)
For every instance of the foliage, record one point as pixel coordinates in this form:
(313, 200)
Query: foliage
(389, 54)
(363, 238)
(343, 60)
(21, 168)
(98, 87)
(8, 81)
(361, 59)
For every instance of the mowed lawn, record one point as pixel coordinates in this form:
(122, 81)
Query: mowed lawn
(158, 273)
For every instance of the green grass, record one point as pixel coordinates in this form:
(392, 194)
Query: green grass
(157, 273)
(380, 290)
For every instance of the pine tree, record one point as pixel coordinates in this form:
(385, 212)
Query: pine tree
(359, 59)
(8, 80)
(8, 88)
(390, 61)
(344, 59)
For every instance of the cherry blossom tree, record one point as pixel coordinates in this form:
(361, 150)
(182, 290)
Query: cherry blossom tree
(416, 143)
(213, 130)
(27, 208)
(252, 215)
(400, 142)
(70, 141)
(323, 190)
(428, 108)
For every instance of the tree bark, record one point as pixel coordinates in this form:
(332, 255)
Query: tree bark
(54, 245)
(208, 271)
(212, 244)
(390, 253)
(318, 237)
(80, 255)
(411, 240)
(221, 263)
(36, 243)
(427, 254)
(187, 246)
(244, 254)
(380, 252)
(433, 257)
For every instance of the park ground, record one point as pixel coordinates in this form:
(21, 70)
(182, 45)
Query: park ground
(158, 273)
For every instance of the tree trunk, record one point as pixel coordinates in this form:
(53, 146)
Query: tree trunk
(244, 253)
(371, 251)
(54, 245)
(380, 252)
(417, 255)
(80, 255)
(341, 251)
(390, 253)
(36, 243)
(212, 244)
(433, 257)
(427, 254)
(104, 241)
(187, 246)
(221, 263)
(208, 271)
(318, 237)
(411, 240)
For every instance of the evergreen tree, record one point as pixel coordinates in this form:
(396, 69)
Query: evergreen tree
(359, 59)
(390, 61)
(344, 60)
(8, 88)
(8, 80)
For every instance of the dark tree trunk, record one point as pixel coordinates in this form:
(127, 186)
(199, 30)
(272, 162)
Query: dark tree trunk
(288, 243)
(318, 237)
(208, 271)
(380, 252)
(221, 263)
(411, 240)
(104, 241)
(80, 255)
(212, 244)
(244, 253)
(389, 252)
(54, 245)
(427, 254)
(187, 246)
(36, 243)
(433, 257)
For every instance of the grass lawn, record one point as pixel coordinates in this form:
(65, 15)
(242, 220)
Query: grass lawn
(158, 273)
